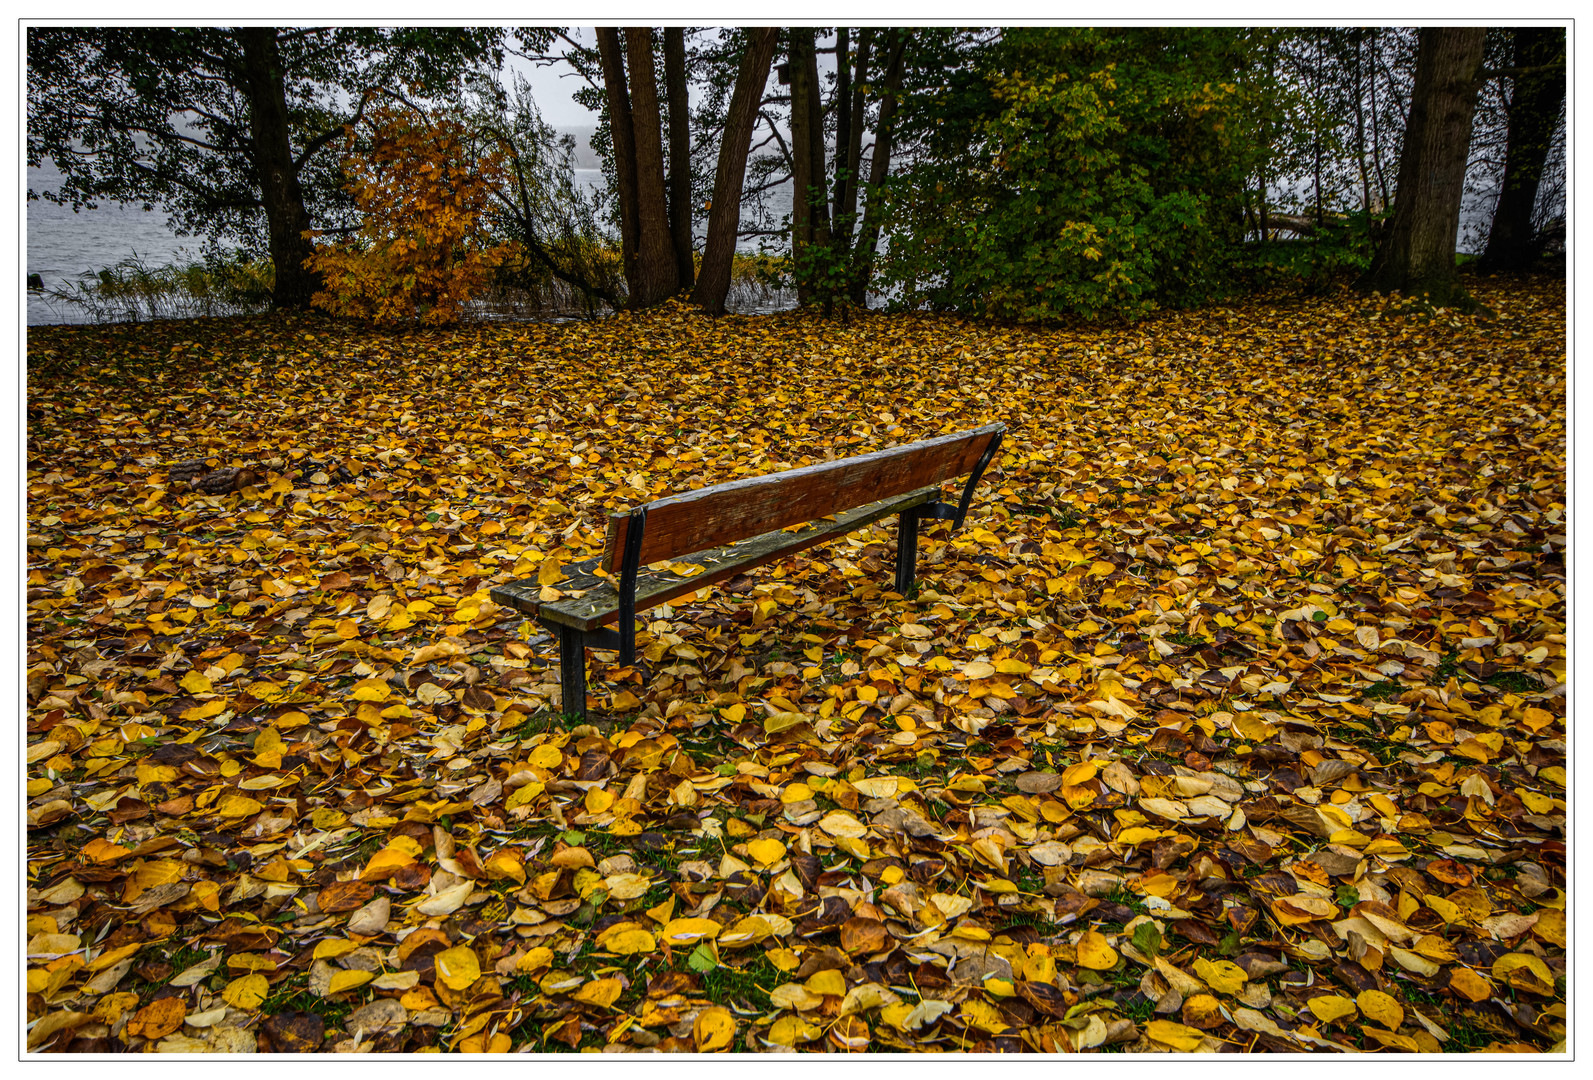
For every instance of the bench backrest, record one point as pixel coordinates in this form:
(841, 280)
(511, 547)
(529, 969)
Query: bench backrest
(694, 520)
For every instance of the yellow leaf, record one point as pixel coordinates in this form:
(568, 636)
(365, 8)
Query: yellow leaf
(1095, 953)
(238, 806)
(534, 959)
(195, 683)
(1178, 1036)
(1331, 1007)
(551, 571)
(629, 942)
(714, 1029)
(246, 991)
(1222, 976)
(841, 823)
(601, 993)
(370, 690)
(332, 948)
(981, 1014)
(524, 795)
(1524, 971)
(748, 931)
(1469, 985)
(504, 863)
(458, 967)
(766, 851)
(784, 959)
(790, 1030)
(349, 980)
(385, 862)
(828, 981)
(685, 931)
(1376, 1005)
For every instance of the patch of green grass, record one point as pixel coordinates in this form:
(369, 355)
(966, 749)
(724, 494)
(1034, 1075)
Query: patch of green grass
(1386, 690)
(293, 995)
(1514, 682)
(545, 721)
(748, 984)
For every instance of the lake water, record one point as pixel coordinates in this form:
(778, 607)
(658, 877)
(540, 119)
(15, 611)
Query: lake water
(63, 246)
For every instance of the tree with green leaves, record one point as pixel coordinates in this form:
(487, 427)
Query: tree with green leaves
(231, 130)
(1083, 172)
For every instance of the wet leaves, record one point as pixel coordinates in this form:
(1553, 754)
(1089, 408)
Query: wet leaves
(1233, 720)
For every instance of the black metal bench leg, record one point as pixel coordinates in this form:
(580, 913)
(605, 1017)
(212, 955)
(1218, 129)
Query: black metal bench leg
(572, 671)
(906, 549)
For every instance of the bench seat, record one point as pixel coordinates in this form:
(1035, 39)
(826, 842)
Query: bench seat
(591, 602)
(738, 525)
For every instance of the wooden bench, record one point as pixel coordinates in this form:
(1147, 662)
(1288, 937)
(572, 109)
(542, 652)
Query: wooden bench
(744, 523)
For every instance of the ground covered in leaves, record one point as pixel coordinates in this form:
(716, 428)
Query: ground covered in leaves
(1234, 720)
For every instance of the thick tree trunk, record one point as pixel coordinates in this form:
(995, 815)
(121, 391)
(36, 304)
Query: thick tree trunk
(287, 221)
(874, 200)
(1418, 256)
(657, 276)
(724, 215)
(679, 152)
(1534, 112)
(622, 130)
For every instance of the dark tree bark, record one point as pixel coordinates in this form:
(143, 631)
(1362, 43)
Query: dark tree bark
(843, 109)
(873, 203)
(656, 273)
(287, 221)
(724, 215)
(809, 220)
(611, 52)
(1418, 255)
(849, 151)
(679, 152)
(1534, 111)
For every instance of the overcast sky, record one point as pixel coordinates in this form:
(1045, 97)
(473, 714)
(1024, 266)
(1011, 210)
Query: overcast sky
(554, 86)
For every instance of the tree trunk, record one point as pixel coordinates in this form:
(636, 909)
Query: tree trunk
(849, 148)
(874, 200)
(1534, 112)
(621, 128)
(679, 152)
(724, 215)
(809, 224)
(287, 221)
(1418, 256)
(656, 272)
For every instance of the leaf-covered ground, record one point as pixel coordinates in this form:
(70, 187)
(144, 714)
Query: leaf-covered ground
(1233, 721)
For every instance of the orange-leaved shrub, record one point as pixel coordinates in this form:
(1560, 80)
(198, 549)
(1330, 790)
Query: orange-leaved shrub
(422, 250)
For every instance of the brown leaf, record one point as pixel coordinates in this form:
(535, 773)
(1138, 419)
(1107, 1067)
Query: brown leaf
(292, 1033)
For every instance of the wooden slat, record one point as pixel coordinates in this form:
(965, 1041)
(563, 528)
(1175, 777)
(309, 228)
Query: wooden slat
(725, 513)
(599, 600)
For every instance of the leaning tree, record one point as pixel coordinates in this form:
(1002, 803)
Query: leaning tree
(233, 131)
